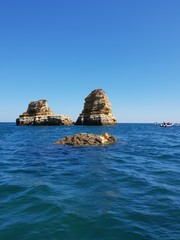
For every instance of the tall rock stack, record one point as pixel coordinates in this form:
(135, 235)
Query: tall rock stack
(38, 113)
(97, 110)
(38, 108)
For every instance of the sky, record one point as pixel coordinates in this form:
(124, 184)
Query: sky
(61, 50)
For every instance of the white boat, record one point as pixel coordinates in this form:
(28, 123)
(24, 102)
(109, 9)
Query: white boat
(166, 124)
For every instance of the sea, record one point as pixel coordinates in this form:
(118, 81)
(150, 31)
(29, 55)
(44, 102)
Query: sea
(129, 190)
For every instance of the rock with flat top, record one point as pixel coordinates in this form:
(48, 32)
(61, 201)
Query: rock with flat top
(97, 110)
(38, 113)
(87, 139)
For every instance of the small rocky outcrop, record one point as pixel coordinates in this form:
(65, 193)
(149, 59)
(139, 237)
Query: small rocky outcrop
(38, 113)
(97, 110)
(87, 139)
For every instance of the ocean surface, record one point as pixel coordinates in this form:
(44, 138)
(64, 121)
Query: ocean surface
(129, 190)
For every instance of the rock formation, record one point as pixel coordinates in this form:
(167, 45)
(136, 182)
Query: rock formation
(97, 110)
(38, 108)
(38, 113)
(86, 139)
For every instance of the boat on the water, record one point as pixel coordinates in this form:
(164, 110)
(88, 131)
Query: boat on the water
(166, 124)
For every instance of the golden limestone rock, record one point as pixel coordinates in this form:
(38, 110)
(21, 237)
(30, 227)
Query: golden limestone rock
(38, 108)
(97, 110)
(87, 139)
(38, 113)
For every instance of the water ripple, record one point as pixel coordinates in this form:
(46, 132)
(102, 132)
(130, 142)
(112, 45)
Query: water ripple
(128, 190)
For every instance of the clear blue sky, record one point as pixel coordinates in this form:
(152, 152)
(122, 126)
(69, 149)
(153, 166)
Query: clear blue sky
(61, 50)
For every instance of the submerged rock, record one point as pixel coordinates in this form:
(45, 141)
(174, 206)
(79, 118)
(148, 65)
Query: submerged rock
(87, 139)
(38, 113)
(97, 110)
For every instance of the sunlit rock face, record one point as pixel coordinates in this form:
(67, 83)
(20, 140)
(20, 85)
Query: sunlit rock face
(87, 139)
(38, 113)
(38, 108)
(97, 110)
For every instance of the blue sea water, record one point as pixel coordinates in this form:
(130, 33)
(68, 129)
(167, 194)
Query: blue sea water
(128, 190)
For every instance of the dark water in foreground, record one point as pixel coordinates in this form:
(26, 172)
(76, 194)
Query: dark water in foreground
(128, 190)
